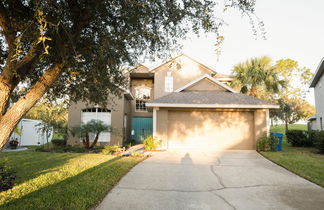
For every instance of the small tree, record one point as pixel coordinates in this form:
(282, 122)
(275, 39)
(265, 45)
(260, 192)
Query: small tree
(292, 110)
(46, 129)
(53, 117)
(85, 130)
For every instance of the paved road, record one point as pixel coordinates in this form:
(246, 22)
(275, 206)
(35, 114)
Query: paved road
(214, 180)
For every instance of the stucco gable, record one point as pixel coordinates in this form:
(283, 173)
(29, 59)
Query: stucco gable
(186, 64)
(200, 83)
(205, 85)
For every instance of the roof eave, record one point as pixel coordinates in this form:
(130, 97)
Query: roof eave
(215, 80)
(318, 74)
(240, 106)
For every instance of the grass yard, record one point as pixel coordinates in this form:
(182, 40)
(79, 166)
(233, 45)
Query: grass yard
(62, 180)
(304, 161)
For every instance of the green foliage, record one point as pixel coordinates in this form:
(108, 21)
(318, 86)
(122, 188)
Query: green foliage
(108, 150)
(63, 149)
(62, 180)
(256, 75)
(318, 137)
(7, 177)
(151, 143)
(59, 142)
(266, 143)
(292, 110)
(17, 131)
(137, 154)
(299, 138)
(86, 129)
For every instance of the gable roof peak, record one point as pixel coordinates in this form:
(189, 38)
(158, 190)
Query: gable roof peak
(183, 54)
(206, 76)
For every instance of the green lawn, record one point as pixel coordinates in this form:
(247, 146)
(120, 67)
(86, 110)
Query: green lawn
(304, 161)
(62, 180)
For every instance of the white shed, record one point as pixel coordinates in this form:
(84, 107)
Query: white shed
(30, 133)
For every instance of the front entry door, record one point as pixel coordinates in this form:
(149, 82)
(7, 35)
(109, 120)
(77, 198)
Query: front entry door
(141, 128)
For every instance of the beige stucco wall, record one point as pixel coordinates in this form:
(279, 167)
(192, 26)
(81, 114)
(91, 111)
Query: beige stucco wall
(117, 113)
(184, 70)
(210, 128)
(205, 85)
(136, 83)
(162, 126)
(260, 123)
(319, 103)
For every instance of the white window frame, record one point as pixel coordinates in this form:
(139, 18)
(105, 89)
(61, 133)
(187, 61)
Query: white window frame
(168, 83)
(139, 99)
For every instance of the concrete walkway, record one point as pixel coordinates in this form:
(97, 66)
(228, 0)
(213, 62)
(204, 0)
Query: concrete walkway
(214, 180)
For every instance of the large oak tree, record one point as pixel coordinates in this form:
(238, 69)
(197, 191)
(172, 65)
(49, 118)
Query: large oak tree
(77, 47)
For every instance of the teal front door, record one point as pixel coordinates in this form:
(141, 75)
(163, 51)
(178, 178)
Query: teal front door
(141, 128)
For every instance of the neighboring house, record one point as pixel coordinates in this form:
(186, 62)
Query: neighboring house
(316, 122)
(184, 103)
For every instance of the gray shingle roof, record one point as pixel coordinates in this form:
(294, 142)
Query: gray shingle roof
(209, 98)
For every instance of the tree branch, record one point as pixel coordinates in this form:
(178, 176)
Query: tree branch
(11, 118)
(5, 24)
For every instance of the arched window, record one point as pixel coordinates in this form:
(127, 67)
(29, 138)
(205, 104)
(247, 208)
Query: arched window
(96, 113)
(142, 94)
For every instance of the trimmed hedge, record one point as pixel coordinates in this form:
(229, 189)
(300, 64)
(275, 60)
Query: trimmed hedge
(299, 138)
(319, 141)
(111, 149)
(59, 142)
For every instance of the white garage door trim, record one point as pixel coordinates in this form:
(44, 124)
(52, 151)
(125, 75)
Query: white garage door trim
(97, 114)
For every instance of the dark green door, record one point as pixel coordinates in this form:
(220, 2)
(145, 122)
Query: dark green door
(141, 128)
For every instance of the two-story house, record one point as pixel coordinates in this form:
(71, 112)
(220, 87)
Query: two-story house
(184, 103)
(316, 121)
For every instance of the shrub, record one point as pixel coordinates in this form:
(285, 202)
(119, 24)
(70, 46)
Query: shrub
(266, 143)
(319, 143)
(299, 138)
(108, 150)
(137, 154)
(151, 143)
(59, 142)
(7, 177)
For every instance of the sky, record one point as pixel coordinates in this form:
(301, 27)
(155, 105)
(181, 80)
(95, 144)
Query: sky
(294, 29)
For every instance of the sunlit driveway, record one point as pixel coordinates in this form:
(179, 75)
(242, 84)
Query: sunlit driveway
(214, 180)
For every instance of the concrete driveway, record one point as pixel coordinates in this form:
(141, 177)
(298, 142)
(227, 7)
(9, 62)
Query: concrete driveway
(214, 180)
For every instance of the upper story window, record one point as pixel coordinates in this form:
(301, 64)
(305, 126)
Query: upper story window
(142, 94)
(168, 82)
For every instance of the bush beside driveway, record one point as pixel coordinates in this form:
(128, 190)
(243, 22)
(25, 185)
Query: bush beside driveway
(62, 180)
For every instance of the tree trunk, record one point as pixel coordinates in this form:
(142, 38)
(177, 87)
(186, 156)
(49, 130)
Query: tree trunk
(286, 126)
(5, 91)
(95, 141)
(253, 91)
(86, 141)
(11, 118)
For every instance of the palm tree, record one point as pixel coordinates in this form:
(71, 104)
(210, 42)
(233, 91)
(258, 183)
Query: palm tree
(86, 129)
(257, 74)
